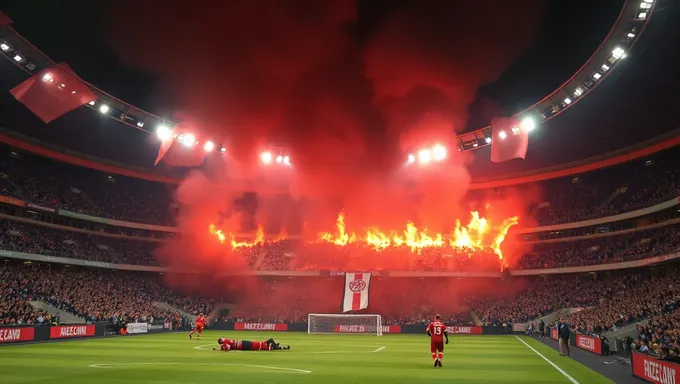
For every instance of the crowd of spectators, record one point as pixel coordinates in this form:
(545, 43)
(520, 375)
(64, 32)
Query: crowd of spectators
(91, 294)
(599, 193)
(603, 250)
(661, 335)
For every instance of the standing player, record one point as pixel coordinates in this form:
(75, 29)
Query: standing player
(200, 324)
(246, 345)
(437, 332)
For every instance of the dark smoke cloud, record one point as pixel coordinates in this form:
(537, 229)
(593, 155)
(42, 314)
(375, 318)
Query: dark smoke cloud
(348, 103)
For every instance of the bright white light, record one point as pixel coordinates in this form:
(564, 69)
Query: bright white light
(488, 140)
(48, 77)
(5, 47)
(279, 159)
(73, 92)
(578, 92)
(642, 16)
(163, 132)
(411, 158)
(439, 152)
(475, 145)
(618, 52)
(104, 108)
(266, 157)
(91, 102)
(189, 140)
(648, 1)
(209, 146)
(18, 58)
(630, 35)
(502, 135)
(645, 5)
(528, 124)
(605, 67)
(597, 76)
(286, 160)
(567, 101)
(514, 130)
(424, 156)
(140, 124)
(223, 149)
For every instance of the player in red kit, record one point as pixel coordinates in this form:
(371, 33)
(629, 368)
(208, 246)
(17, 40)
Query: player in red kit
(437, 332)
(200, 324)
(246, 345)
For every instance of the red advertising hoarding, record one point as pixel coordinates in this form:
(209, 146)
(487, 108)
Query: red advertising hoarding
(553, 333)
(460, 330)
(366, 329)
(68, 331)
(589, 343)
(261, 326)
(14, 334)
(655, 371)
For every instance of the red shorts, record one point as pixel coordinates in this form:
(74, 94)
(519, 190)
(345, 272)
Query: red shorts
(199, 328)
(436, 346)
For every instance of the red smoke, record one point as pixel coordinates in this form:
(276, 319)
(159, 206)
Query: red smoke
(348, 94)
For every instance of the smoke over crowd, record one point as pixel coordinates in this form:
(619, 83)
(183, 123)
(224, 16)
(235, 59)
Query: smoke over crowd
(348, 86)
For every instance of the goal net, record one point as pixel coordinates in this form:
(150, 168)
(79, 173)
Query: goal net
(328, 323)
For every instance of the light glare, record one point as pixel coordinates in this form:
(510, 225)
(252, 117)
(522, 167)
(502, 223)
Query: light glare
(266, 157)
(104, 108)
(502, 135)
(5, 47)
(424, 156)
(209, 146)
(163, 132)
(189, 140)
(528, 124)
(439, 152)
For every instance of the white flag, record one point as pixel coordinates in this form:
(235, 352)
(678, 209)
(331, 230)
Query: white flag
(355, 297)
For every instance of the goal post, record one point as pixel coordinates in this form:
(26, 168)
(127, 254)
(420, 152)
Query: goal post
(343, 323)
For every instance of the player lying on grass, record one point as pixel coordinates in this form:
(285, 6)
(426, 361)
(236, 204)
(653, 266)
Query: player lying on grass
(246, 345)
(436, 330)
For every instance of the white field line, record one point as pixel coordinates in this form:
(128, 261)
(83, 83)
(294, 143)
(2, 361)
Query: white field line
(269, 367)
(379, 349)
(560, 370)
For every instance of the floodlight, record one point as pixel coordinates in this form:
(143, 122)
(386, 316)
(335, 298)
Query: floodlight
(266, 157)
(5, 47)
(223, 149)
(163, 132)
(424, 156)
(567, 101)
(209, 146)
(140, 124)
(642, 16)
(645, 5)
(189, 140)
(279, 159)
(411, 158)
(73, 92)
(92, 102)
(502, 135)
(528, 124)
(18, 58)
(605, 67)
(475, 145)
(439, 152)
(286, 160)
(104, 108)
(515, 130)
(618, 52)
(488, 140)
(630, 35)
(578, 92)
(48, 77)
(597, 76)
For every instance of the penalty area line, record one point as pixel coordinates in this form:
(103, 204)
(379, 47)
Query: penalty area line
(379, 349)
(266, 367)
(560, 370)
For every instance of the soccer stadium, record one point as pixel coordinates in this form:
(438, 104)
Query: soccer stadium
(300, 193)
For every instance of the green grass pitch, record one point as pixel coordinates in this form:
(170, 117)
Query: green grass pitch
(327, 359)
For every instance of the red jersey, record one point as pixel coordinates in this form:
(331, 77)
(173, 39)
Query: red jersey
(245, 345)
(200, 321)
(436, 330)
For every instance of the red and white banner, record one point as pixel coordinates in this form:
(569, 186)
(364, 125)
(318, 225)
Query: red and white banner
(14, 334)
(366, 329)
(458, 330)
(260, 326)
(589, 343)
(355, 297)
(68, 331)
(653, 370)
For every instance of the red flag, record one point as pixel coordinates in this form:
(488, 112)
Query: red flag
(509, 140)
(175, 153)
(53, 92)
(4, 19)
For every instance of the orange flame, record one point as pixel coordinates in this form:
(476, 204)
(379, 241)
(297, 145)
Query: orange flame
(259, 237)
(477, 235)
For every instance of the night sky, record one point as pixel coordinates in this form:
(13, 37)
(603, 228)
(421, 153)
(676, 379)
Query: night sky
(127, 47)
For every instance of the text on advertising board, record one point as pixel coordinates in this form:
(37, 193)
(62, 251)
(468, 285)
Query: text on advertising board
(464, 330)
(67, 331)
(653, 370)
(13, 334)
(261, 326)
(589, 343)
